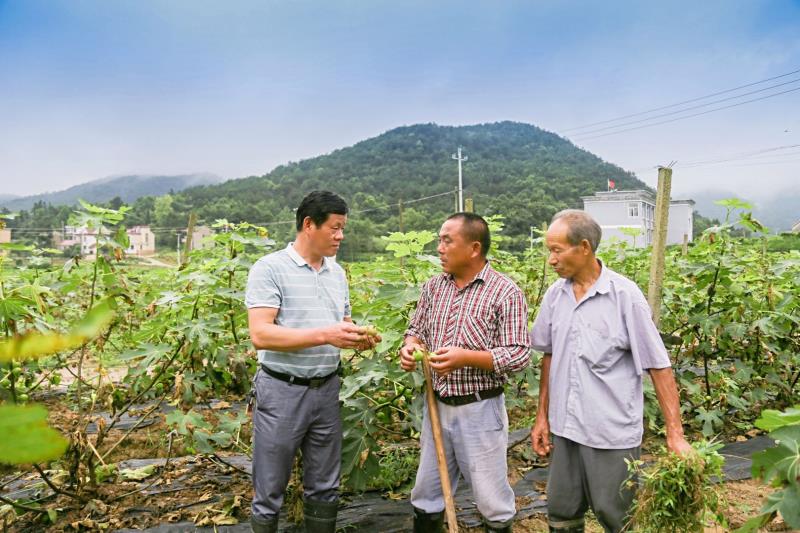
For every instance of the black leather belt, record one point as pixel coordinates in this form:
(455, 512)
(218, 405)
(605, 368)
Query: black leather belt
(314, 383)
(470, 398)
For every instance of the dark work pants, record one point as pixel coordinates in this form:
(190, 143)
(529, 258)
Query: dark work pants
(582, 477)
(287, 418)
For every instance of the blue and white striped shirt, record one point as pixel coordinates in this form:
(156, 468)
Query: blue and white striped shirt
(305, 298)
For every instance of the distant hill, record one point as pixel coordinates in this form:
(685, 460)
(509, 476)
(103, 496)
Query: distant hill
(779, 212)
(128, 188)
(6, 197)
(514, 169)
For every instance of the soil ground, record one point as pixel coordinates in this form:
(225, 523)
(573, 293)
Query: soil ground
(207, 491)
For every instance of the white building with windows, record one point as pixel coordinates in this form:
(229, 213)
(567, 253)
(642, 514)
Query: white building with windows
(630, 216)
(84, 237)
(142, 241)
(200, 238)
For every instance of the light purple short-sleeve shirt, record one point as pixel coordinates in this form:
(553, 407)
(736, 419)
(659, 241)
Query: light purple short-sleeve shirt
(600, 347)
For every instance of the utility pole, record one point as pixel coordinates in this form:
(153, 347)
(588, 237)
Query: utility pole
(531, 240)
(460, 159)
(659, 242)
(400, 209)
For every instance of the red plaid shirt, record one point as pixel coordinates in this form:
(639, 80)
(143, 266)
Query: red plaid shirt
(489, 314)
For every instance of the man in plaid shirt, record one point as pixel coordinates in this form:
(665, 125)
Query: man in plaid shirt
(473, 320)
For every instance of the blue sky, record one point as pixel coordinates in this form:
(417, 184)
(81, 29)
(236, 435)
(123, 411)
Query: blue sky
(96, 88)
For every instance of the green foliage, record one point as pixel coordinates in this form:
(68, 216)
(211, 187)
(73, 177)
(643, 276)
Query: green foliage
(26, 436)
(406, 244)
(730, 309)
(730, 315)
(33, 344)
(678, 493)
(780, 467)
(784, 242)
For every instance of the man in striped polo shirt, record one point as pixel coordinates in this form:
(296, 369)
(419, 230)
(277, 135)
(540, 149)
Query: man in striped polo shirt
(474, 320)
(299, 317)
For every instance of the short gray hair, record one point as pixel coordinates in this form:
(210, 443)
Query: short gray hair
(580, 226)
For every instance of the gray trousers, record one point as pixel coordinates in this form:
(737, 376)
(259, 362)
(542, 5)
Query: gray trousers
(287, 418)
(582, 477)
(475, 440)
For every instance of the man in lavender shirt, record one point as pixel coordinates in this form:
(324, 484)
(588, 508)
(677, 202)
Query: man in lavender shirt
(597, 335)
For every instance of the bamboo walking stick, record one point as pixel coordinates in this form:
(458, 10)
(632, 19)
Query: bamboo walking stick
(433, 415)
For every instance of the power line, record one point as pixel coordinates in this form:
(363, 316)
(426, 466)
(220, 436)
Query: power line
(764, 152)
(759, 163)
(671, 113)
(690, 116)
(680, 103)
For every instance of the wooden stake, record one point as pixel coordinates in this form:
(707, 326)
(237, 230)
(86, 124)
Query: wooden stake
(187, 246)
(433, 415)
(659, 242)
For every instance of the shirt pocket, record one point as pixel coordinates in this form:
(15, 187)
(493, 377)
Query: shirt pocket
(600, 347)
(476, 333)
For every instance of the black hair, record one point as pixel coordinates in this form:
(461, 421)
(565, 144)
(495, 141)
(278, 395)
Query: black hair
(318, 205)
(474, 229)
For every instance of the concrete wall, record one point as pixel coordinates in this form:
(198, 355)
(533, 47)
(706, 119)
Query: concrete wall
(612, 215)
(612, 210)
(200, 238)
(142, 241)
(681, 221)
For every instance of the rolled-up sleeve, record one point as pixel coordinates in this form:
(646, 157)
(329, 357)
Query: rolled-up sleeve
(542, 330)
(418, 326)
(262, 287)
(513, 352)
(646, 345)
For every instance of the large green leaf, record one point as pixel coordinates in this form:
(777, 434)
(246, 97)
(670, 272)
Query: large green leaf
(771, 419)
(787, 503)
(35, 344)
(26, 436)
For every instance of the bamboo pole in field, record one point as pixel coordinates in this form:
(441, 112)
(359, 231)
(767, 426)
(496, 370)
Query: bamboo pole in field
(433, 415)
(659, 242)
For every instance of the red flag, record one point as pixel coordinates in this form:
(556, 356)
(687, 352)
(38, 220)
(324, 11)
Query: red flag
(611, 185)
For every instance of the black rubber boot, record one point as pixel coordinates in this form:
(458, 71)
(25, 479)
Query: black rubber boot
(263, 525)
(428, 522)
(500, 527)
(320, 517)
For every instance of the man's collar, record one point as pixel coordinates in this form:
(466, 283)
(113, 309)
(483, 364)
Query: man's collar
(484, 272)
(299, 261)
(602, 284)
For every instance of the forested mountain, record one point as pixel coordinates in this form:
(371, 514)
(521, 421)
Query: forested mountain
(127, 188)
(514, 169)
(517, 170)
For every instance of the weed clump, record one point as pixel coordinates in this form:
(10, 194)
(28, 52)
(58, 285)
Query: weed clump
(677, 493)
